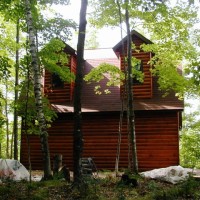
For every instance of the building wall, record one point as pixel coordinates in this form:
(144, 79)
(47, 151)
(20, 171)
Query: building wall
(156, 134)
(143, 90)
(64, 94)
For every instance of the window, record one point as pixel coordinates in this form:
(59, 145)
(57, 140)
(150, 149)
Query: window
(57, 81)
(138, 75)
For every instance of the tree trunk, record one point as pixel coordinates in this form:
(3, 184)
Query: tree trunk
(38, 94)
(130, 111)
(0, 150)
(122, 101)
(78, 136)
(15, 121)
(7, 120)
(24, 121)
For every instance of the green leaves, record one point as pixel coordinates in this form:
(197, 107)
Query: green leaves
(63, 2)
(56, 27)
(170, 27)
(111, 73)
(53, 58)
(5, 67)
(137, 72)
(190, 140)
(29, 106)
(104, 13)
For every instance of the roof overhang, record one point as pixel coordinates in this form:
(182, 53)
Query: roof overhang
(133, 32)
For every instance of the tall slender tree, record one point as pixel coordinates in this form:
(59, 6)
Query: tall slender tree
(130, 109)
(78, 135)
(15, 113)
(38, 92)
(7, 118)
(55, 27)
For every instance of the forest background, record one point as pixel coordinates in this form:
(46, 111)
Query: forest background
(190, 137)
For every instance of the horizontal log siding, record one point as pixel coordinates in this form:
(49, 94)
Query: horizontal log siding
(156, 132)
(141, 90)
(157, 139)
(60, 95)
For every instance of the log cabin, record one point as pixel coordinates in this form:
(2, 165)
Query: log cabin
(157, 118)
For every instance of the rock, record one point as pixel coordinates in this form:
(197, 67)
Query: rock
(172, 174)
(13, 169)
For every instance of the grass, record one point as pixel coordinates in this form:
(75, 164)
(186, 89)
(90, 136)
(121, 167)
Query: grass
(100, 189)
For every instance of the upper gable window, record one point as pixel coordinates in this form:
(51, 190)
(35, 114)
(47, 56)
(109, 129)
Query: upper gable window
(57, 81)
(138, 75)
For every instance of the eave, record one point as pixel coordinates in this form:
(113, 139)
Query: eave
(133, 32)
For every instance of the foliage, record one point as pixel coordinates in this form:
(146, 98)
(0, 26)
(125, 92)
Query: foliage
(55, 27)
(32, 191)
(170, 27)
(31, 116)
(6, 84)
(47, 28)
(100, 189)
(2, 117)
(190, 140)
(113, 74)
(192, 72)
(190, 153)
(55, 60)
(187, 189)
(4, 67)
(136, 72)
(91, 40)
(62, 2)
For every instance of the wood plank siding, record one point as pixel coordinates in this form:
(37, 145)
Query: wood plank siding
(156, 133)
(158, 118)
(63, 94)
(142, 90)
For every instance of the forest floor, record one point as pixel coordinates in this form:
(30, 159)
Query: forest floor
(102, 187)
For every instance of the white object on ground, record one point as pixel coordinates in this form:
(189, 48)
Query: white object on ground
(13, 169)
(172, 174)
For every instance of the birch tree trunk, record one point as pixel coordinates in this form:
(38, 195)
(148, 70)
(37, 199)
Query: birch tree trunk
(130, 111)
(78, 136)
(38, 94)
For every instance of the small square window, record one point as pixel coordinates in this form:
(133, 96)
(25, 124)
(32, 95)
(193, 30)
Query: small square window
(57, 81)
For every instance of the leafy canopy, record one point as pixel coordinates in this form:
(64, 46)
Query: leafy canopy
(170, 28)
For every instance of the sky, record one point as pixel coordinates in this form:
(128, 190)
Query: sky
(107, 37)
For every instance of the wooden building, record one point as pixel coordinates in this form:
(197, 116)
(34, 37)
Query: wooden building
(157, 118)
